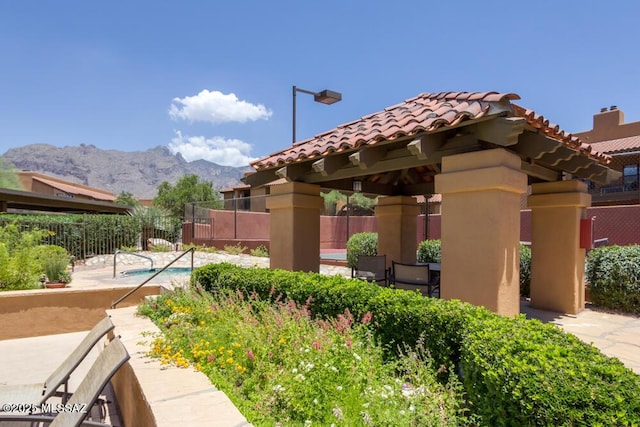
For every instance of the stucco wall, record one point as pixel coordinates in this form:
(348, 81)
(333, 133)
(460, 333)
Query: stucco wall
(59, 311)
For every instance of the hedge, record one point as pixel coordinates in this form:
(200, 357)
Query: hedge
(515, 371)
(613, 274)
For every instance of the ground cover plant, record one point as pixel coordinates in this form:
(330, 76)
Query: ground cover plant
(514, 371)
(282, 367)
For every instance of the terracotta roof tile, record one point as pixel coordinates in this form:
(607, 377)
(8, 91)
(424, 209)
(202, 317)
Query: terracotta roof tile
(620, 145)
(424, 113)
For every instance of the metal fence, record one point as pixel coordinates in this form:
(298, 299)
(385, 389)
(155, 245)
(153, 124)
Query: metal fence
(85, 236)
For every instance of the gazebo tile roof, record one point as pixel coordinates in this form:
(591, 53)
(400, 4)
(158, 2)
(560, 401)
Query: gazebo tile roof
(424, 113)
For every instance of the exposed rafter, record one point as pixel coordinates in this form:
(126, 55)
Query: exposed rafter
(328, 165)
(367, 157)
(425, 146)
(293, 172)
(502, 131)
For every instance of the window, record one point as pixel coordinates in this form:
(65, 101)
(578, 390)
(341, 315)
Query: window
(630, 177)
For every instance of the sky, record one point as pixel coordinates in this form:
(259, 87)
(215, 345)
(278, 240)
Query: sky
(213, 79)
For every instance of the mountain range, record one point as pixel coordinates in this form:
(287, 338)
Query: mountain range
(138, 172)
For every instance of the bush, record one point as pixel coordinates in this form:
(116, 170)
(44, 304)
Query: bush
(55, 261)
(515, 371)
(525, 271)
(613, 274)
(429, 251)
(361, 244)
(20, 268)
(236, 249)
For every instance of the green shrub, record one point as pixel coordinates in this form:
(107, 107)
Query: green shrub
(55, 261)
(19, 266)
(613, 274)
(429, 251)
(525, 271)
(361, 244)
(515, 371)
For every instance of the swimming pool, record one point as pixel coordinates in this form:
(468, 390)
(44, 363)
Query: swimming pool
(149, 271)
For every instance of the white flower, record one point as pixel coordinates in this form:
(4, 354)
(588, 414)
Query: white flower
(339, 388)
(337, 412)
(334, 369)
(412, 408)
(278, 388)
(294, 371)
(315, 401)
(307, 423)
(358, 358)
(300, 377)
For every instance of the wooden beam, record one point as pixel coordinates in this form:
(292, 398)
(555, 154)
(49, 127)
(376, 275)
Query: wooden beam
(502, 131)
(395, 160)
(563, 153)
(574, 164)
(417, 189)
(328, 165)
(346, 185)
(533, 146)
(425, 146)
(367, 157)
(260, 178)
(294, 171)
(540, 172)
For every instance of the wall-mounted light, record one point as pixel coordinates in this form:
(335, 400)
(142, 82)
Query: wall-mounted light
(357, 185)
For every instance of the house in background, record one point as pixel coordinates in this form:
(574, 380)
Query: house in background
(36, 182)
(612, 136)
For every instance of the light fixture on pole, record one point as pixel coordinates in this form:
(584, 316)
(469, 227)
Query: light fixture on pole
(357, 185)
(324, 97)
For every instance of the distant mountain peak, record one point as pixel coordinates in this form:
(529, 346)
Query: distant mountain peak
(138, 172)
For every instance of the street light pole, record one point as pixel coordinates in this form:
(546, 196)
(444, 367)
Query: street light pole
(324, 97)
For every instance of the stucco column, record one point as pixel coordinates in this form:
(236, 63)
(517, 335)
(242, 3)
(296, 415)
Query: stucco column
(295, 226)
(397, 219)
(557, 261)
(481, 228)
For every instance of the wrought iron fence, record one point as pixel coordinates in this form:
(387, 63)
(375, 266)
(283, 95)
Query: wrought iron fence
(85, 236)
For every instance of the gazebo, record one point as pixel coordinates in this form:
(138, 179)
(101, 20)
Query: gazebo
(480, 151)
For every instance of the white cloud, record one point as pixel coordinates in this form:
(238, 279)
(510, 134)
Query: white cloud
(216, 107)
(227, 152)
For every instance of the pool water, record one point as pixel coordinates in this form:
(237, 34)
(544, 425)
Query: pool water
(150, 271)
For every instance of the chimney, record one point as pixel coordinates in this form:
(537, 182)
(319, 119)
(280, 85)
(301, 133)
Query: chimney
(605, 120)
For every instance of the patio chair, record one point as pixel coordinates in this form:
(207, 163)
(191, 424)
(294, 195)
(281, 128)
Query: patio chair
(372, 268)
(414, 277)
(39, 393)
(100, 373)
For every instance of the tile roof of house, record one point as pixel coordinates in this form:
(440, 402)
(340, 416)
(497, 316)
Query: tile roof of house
(423, 113)
(620, 145)
(71, 189)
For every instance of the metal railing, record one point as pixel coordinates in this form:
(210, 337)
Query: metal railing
(119, 251)
(122, 298)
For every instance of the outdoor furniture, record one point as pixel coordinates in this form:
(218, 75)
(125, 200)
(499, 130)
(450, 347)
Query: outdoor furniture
(100, 373)
(414, 277)
(372, 269)
(37, 394)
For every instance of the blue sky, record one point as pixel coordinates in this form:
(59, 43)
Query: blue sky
(212, 79)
